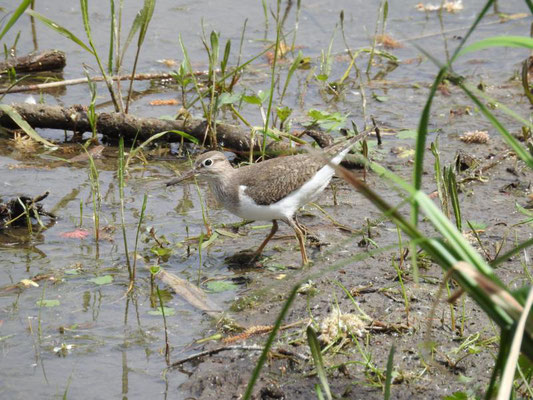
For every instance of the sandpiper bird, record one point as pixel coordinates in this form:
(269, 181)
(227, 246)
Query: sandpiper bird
(269, 190)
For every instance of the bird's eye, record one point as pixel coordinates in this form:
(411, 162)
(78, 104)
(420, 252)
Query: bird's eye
(208, 162)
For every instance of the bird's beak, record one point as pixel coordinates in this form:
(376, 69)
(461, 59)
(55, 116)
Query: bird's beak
(186, 175)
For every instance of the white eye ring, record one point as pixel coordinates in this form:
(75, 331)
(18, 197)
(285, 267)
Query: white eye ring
(208, 162)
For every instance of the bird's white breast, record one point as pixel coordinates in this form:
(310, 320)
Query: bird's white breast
(286, 207)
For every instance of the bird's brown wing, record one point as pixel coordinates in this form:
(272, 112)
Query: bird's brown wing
(269, 181)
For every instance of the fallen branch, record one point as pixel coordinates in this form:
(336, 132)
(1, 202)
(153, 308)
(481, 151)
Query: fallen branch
(190, 293)
(46, 60)
(114, 125)
(78, 81)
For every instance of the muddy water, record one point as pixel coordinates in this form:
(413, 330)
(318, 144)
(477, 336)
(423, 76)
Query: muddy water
(93, 342)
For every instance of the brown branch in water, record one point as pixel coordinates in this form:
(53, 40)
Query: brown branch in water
(46, 60)
(114, 125)
(78, 81)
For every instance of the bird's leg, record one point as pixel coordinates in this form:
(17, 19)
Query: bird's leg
(308, 234)
(301, 239)
(302, 228)
(267, 239)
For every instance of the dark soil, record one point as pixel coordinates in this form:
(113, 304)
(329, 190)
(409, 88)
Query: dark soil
(459, 359)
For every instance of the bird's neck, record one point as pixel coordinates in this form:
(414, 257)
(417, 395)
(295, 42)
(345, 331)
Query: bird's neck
(225, 189)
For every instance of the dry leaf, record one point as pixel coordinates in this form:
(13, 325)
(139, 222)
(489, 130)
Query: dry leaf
(28, 283)
(448, 6)
(388, 42)
(168, 62)
(478, 137)
(169, 102)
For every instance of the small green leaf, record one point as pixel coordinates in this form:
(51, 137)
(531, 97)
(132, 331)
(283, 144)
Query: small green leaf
(47, 303)
(523, 210)
(169, 311)
(477, 225)
(161, 251)
(72, 272)
(102, 280)
(254, 98)
(221, 286)
(210, 241)
(16, 15)
(327, 121)
(407, 134)
(59, 29)
(224, 232)
(381, 99)
(228, 98)
(283, 112)
(457, 396)
(154, 269)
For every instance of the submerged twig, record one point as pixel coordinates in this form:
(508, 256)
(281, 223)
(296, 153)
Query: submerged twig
(78, 81)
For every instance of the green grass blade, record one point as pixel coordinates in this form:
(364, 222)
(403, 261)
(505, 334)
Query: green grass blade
(472, 29)
(318, 392)
(16, 15)
(510, 139)
(135, 26)
(515, 250)
(21, 122)
(420, 150)
(506, 385)
(146, 16)
(85, 17)
(59, 29)
(498, 41)
(294, 66)
(452, 190)
(503, 353)
(133, 152)
(225, 57)
(501, 107)
(111, 38)
(312, 340)
(268, 344)
(388, 376)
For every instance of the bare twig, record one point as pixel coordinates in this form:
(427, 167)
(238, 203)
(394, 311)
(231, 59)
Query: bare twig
(78, 81)
(241, 348)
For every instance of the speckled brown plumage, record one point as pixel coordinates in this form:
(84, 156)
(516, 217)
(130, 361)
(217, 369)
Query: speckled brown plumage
(269, 181)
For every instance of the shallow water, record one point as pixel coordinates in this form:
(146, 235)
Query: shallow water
(116, 344)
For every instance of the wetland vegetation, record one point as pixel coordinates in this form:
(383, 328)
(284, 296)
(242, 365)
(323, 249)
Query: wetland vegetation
(113, 285)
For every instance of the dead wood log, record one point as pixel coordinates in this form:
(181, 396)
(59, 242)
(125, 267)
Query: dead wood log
(113, 125)
(46, 60)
